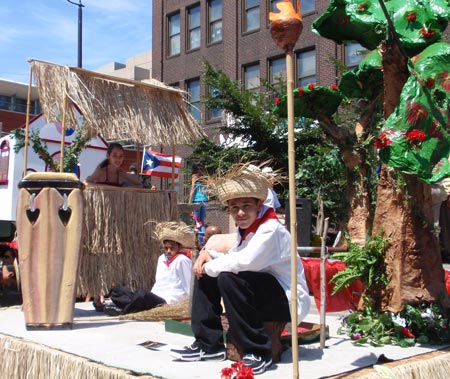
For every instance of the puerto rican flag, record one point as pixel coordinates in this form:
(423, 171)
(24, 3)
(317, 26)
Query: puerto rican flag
(158, 164)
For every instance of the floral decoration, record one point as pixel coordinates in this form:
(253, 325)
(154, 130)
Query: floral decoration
(444, 80)
(362, 7)
(301, 91)
(237, 371)
(382, 141)
(415, 136)
(416, 113)
(312, 86)
(334, 87)
(427, 33)
(411, 17)
(277, 100)
(415, 324)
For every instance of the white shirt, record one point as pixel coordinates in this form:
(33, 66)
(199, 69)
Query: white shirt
(266, 250)
(173, 282)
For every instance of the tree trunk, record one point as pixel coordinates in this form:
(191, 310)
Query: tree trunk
(413, 260)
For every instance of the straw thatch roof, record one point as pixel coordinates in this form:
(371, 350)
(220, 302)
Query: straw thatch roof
(148, 113)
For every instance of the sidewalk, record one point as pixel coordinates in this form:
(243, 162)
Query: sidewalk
(115, 343)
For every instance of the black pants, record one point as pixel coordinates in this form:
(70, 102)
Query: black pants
(132, 302)
(250, 298)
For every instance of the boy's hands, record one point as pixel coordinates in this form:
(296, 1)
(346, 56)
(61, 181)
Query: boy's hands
(199, 265)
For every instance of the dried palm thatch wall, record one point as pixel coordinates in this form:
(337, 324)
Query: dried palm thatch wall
(148, 113)
(22, 359)
(118, 248)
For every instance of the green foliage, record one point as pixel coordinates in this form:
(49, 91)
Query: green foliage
(320, 170)
(423, 324)
(71, 152)
(268, 138)
(365, 263)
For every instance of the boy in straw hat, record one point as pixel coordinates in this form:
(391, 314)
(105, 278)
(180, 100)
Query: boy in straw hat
(253, 279)
(173, 273)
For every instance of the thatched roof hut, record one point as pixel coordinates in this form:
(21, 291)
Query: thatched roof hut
(149, 113)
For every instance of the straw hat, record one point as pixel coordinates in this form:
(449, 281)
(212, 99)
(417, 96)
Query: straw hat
(175, 231)
(241, 180)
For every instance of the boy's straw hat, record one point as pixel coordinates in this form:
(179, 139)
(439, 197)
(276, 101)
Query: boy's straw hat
(240, 180)
(175, 231)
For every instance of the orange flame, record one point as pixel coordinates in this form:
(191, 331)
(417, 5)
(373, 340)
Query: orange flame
(286, 11)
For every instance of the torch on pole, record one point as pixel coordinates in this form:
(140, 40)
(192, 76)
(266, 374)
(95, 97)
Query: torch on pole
(286, 27)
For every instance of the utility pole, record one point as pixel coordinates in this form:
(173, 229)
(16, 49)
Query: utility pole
(80, 30)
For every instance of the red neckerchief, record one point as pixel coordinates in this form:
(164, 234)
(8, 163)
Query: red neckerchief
(269, 214)
(168, 262)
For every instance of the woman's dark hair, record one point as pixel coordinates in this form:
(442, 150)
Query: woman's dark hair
(198, 169)
(111, 146)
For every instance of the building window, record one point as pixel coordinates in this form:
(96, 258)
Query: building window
(174, 34)
(5, 102)
(354, 53)
(193, 89)
(4, 162)
(306, 63)
(277, 70)
(214, 21)
(215, 112)
(251, 77)
(194, 28)
(307, 5)
(20, 105)
(251, 15)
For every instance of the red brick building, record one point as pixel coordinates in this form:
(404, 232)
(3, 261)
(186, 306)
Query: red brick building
(235, 36)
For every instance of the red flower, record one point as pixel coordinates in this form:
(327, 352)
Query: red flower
(245, 373)
(444, 80)
(427, 34)
(277, 100)
(362, 6)
(226, 373)
(416, 114)
(411, 17)
(237, 365)
(382, 141)
(407, 333)
(430, 83)
(334, 87)
(312, 86)
(415, 135)
(301, 91)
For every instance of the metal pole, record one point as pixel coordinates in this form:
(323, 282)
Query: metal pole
(80, 30)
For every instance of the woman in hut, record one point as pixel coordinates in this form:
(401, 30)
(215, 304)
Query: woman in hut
(198, 196)
(109, 172)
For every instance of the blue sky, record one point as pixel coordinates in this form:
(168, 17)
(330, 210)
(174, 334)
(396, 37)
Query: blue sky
(113, 30)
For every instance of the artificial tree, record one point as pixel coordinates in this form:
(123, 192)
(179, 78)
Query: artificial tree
(414, 141)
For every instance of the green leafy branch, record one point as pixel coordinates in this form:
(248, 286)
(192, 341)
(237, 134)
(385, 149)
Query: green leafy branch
(40, 147)
(365, 263)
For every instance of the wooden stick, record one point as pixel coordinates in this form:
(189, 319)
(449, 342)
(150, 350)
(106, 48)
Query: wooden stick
(292, 208)
(323, 299)
(63, 135)
(27, 126)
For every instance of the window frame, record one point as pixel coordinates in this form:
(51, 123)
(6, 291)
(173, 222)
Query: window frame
(306, 77)
(345, 56)
(245, 76)
(211, 22)
(211, 112)
(245, 11)
(196, 104)
(170, 36)
(190, 29)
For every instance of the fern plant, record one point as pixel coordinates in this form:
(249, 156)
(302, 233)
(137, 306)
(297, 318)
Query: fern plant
(364, 263)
